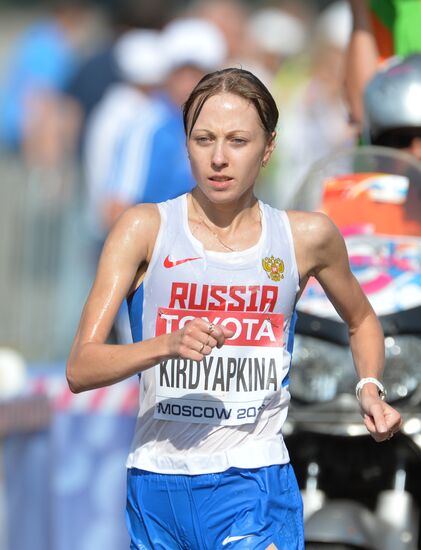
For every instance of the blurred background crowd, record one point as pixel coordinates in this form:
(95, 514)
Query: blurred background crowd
(90, 123)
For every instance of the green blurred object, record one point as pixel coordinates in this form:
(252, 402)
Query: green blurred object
(403, 19)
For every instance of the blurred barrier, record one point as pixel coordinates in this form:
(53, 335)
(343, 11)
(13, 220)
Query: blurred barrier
(45, 258)
(65, 483)
(62, 456)
(25, 415)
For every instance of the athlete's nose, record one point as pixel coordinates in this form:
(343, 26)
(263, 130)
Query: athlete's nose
(219, 159)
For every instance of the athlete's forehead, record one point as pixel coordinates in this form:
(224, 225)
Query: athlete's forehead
(229, 112)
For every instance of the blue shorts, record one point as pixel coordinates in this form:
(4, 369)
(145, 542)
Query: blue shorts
(232, 510)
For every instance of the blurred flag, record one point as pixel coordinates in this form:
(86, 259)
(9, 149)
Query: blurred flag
(396, 25)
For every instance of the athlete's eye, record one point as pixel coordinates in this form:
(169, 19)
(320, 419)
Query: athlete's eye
(238, 141)
(202, 140)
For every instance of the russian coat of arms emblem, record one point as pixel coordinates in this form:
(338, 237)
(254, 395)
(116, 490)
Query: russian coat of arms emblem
(274, 268)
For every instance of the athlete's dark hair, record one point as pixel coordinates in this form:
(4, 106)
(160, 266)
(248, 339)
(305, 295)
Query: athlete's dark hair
(234, 81)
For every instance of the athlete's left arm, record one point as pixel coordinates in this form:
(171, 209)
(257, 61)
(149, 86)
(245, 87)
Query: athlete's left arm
(326, 258)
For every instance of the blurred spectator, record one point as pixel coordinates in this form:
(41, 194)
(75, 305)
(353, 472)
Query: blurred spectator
(43, 62)
(194, 47)
(278, 36)
(142, 66)
(315, 122)
(152, 164)
(293, 63)
(381, 29)
(99, 71)
(231, 18)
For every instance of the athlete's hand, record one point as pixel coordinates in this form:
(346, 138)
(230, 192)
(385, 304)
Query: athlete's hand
(380, 419)
(197, 339)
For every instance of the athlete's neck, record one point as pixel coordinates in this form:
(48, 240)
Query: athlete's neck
(224, 215)
(223, 227)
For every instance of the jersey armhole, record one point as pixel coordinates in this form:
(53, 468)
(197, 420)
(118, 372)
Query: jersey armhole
(287, 225)
(158, 242)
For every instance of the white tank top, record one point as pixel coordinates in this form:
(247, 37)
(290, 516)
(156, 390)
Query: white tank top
(227, 410)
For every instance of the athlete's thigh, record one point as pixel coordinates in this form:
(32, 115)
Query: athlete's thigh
(149, 515)
(255, 510)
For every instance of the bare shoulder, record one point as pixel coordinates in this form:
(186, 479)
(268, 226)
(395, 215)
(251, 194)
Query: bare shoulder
(135, 231)
(311, 227)
(317, 240)
(139, 218)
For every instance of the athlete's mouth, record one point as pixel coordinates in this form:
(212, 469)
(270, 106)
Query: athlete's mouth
(220, 178)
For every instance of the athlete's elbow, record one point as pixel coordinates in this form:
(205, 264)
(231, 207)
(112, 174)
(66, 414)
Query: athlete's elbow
(73, 380)
(73, 374)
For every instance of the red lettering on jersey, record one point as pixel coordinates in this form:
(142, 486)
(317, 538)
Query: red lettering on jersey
(241, 303)
(269, 297)
(179, 293)
(253, 290)
(192, 297)
(221, 303)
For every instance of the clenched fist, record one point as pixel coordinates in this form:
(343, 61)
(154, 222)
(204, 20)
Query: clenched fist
(197, 339)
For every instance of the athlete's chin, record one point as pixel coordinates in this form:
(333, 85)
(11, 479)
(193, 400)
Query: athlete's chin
(220, 185)
(221, 193)
(222, 197)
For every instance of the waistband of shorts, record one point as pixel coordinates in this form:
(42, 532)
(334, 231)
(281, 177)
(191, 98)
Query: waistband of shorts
(204, 479)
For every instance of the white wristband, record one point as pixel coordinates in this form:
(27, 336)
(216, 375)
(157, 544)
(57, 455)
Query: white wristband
(364, 381)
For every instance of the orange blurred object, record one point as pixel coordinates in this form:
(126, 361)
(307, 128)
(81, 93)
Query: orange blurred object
(354, 199)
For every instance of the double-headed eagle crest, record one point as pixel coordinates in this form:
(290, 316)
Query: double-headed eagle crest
(274, 268)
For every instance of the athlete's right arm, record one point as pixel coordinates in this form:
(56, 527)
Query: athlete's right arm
(92, 363)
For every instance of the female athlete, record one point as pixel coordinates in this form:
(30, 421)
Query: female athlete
(212, 279)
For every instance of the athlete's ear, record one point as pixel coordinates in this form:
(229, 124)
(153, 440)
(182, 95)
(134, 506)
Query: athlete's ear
(270, 146)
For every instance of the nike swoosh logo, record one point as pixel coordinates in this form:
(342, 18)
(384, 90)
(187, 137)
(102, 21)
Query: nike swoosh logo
(172, 263)
(227, 540)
